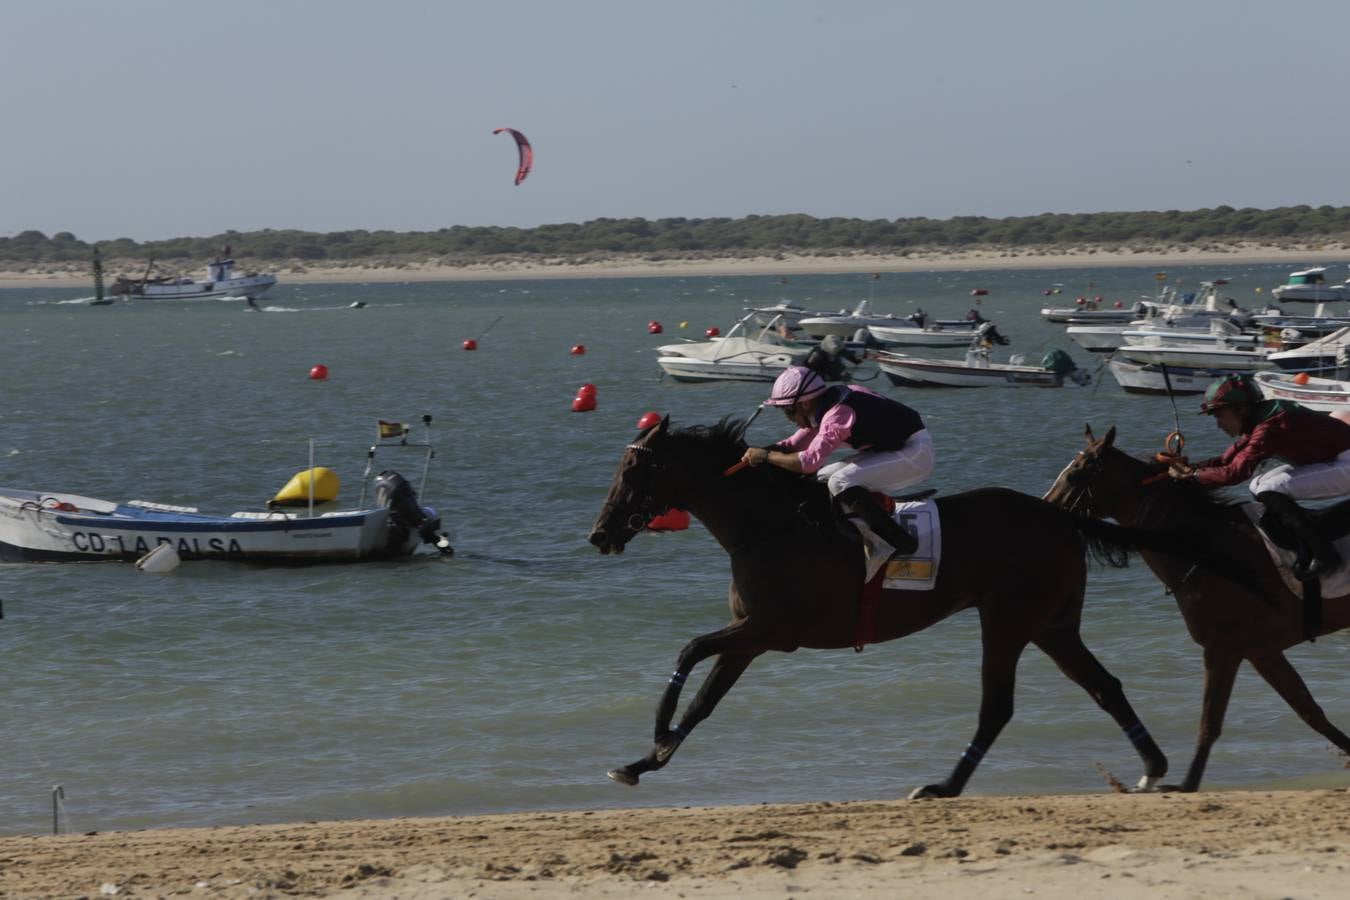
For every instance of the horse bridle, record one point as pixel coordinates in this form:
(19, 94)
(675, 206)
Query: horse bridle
(645, 508)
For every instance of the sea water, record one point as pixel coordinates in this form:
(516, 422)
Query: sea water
(512, 676)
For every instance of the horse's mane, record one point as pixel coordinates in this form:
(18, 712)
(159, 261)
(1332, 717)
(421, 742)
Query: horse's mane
(1187, 511)
(716, 447)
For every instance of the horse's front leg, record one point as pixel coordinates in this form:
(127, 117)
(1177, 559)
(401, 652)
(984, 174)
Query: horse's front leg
(1220, 673)
(736, 648)
(997, 675)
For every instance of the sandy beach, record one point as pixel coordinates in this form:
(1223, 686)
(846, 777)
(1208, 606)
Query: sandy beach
(1331, 253)
(1221, 844)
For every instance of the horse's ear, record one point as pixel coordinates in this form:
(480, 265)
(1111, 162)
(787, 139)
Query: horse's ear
(1110, 438)
(665, 424)
(1087, 433)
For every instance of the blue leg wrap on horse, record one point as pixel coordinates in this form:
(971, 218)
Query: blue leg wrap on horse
(974, 753)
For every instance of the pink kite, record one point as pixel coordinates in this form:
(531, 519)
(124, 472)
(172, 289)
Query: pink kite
(526, 152)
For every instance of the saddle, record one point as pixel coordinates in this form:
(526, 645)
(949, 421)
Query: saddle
(1331, 523)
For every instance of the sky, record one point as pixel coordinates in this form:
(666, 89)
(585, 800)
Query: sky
(154, 119)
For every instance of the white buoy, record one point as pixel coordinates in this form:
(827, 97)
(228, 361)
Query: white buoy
(159, 560)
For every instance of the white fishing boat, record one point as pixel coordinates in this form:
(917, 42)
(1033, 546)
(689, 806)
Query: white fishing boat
(60, 526)
(1322, 394)
(846, 323)
(913, 371)
(221, 281)
(1143, 378)
(1317, 356)
(1217, 352)
(743, 354)
(1086, 313)
(1310, 286)
(978, 368)
(937, 334)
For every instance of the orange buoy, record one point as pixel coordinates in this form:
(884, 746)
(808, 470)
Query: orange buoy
(712, 332)
(579, 350)
(470, 344)
(319, 372)
(670, 520)
(654, 327)
(648, 420)
(1301, 378)
(583, 403)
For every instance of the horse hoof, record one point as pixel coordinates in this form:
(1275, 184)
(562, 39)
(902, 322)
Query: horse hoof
(623, 776)
(928, 792)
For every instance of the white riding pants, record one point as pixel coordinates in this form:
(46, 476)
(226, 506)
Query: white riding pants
(1316, 481)
(887, 471)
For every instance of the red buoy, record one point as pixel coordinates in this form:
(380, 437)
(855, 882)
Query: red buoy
(649, 420)
(979, 292)
(1046, 293)
(712, 332)
(583, 403)
(579, 350)
(586, 390)
(1118, 305)
(319, 372)
(670, 520)
(654, 328)
(470, 344)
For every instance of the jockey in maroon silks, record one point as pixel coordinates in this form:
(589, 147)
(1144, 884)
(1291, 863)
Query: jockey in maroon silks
(1314, 449)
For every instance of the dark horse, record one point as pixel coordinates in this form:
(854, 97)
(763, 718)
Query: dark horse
(1257, 621)
(797, 583)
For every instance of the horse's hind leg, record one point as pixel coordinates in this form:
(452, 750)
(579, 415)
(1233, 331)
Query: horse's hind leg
(997, 674)
(736, 646)
(1220, 673)
(1280, 674)
(1065, 646)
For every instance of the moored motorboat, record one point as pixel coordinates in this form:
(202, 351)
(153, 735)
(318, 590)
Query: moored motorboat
(1322, 394)
(59, 526)
(978, 368)
(1146, 378)
(847, 323)
(743, 354)
(1310, 286)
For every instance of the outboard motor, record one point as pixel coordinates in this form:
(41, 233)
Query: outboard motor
(392, 490)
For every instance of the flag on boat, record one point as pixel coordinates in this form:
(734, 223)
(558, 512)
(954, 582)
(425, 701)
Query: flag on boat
(392, 429)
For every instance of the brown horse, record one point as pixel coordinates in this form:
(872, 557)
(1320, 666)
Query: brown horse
(796, 582)
(1231, 623)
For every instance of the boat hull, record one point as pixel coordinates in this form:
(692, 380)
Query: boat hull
(254, 286)
(1140, 378)
(915, 372)
(40, 526)
(1322, 394)
(899, 336)
(689, 370)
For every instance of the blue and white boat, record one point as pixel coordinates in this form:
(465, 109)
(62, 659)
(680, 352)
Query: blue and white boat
(57, 526)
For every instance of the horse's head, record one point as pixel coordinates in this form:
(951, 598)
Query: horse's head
(1098, 478)
(637, 492)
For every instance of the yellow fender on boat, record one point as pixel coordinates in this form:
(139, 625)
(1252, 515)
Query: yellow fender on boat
(296, 491)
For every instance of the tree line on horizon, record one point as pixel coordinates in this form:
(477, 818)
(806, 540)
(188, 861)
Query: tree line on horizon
(750, 235)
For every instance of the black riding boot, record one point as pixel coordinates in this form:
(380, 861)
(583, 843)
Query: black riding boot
(858, 501)
(1316, 555)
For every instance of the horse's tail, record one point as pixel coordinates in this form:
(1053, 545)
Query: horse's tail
(1111, 544)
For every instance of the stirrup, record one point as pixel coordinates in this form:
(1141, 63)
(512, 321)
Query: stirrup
(876, 553)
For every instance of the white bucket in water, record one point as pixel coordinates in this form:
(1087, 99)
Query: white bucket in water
(159, 560)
